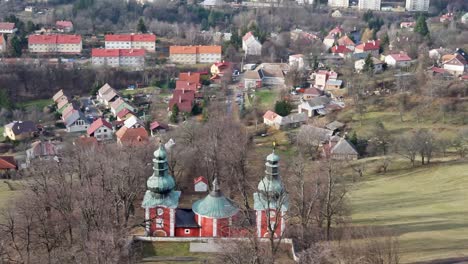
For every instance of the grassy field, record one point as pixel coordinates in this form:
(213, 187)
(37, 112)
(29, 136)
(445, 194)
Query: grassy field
(426, 206)
(40, 104)
(1, 133)
(267, 97)
(8, 189)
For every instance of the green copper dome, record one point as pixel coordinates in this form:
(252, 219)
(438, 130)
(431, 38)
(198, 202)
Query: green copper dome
(273, 157)
(160, 185)
(271, 185)
(215, 205)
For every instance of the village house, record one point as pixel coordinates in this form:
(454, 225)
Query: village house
(437, 54)
(124, 114)
(62, 104)
(252, 79)
(464, 18)
(64, 26)
(342, 51)
(221, 69)
(184, 99)
(359, 65)
(133, 58)
(335, 126)
(200, 184)
(100, 129)
(340, 149)
(321, 77)
(251, 45)
(3, 44)
(194, 54)
(408, 25)
(446, 17)
(455, 64)
(7, 166)
(272, 74)
(310, 93)
(106, 95)
(158, 128)
(7, 28)
(370, 47)
(346, 41)
(333, 84)
(134, 122)
(132, 136)
(272, 119)
(75, 121)
(338, 3)
(315, 134)
(303, 36)
(59, 96)
(398, 60)
(131, 41)
(120, 104)
(296, 61)
(55, 43)
(336, 14)
(188, 81)
(43, 150)
(315, 106)
(332, 36)
(19, 130)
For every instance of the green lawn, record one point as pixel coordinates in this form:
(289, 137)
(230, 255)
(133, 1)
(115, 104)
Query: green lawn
(8, 189)
(1, 133)
(426, 206)
(40, 104)
(267, 98)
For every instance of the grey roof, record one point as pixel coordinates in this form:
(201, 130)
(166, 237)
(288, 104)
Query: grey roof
(109, 95)
(321, 134)
(334, 125)
(335, 82)
(215, 204)
(185, 218)
(318, 101)
(73, 117)
(104, 88)
(19, 127)
(344, 147)
(294, 118)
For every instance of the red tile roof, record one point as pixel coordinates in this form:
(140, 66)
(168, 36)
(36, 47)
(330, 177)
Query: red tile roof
(183, 99)
(63, 24)
(156, 124)
(270, 115)
(340, 49)
(183, 85)
(400, 57)
(123, 113)
(370, 45)
(131, 37)
(132, 136)
(7, 162)
(54, 39)
(97, 124)
(7, 26)
(200, 179)
(189, 77)
(132, 52)
(247, 36)
(345, 40)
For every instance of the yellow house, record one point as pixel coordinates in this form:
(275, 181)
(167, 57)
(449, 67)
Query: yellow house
(19, 130)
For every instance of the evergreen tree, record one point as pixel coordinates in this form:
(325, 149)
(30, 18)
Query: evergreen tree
(16, 47)
(141, 27)
(421, 26)
(175, 114)
(283, 107)
(368, 65)
(4, 100)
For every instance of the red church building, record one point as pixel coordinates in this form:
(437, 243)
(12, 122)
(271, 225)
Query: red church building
(213, 215)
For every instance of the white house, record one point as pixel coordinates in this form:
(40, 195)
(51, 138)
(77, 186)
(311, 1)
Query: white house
(315, 106)
(296, 61)
(378, 65)
(251, 45)
(200, 184)
(106, 95)
(464, 18)
(399, 60)
(133, 122)
(101, 130)
(456, 65)
(75, 121)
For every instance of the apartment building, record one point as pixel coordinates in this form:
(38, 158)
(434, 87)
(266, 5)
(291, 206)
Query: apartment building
(338, 3)
(134, 58)
(194, 54)
(131, 41)
(7, 28)
(369, 4)
(55, 43)
(417, 5)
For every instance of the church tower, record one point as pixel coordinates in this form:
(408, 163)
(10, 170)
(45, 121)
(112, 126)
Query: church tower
(161, 200)
(271, 201)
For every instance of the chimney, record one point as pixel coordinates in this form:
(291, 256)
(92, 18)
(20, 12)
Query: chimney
(188, 74)
(373, 42)
(180, 99)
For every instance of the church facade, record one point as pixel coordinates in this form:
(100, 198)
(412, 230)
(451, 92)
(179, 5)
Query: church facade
(215, 214)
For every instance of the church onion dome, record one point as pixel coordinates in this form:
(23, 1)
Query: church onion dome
(160, 184)
(215, 205)
(272, 158)
(271, 185)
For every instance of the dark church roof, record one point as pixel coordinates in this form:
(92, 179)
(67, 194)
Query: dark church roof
(185, 218)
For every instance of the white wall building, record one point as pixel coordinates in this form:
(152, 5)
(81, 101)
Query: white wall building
(134, 58)
(131, 41)
(54, 43)
(417, 5)
(369, 5)
(338, 3)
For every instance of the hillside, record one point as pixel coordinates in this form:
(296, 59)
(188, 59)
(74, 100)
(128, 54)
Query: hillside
(425, 206)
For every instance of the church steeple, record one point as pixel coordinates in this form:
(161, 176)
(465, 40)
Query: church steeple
(160, 185)
(271, 185)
